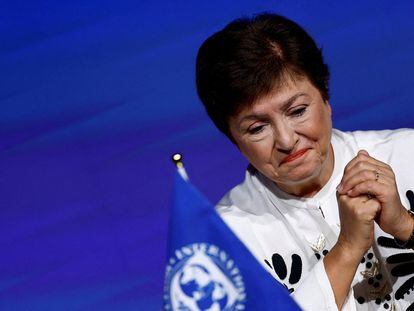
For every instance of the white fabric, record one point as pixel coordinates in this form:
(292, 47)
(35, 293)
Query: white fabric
(269, 222)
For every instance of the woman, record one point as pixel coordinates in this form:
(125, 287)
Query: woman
(321, 209)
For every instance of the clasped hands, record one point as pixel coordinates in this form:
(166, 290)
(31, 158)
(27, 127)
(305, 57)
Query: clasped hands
(366, 194)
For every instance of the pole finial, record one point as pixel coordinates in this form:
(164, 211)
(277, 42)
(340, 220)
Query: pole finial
(177, 158)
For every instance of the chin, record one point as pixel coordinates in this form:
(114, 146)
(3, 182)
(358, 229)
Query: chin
(303, 173)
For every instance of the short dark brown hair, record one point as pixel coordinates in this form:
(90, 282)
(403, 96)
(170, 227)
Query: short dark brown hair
(249, 58)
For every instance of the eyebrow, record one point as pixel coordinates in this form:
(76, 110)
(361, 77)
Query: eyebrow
(285, 106)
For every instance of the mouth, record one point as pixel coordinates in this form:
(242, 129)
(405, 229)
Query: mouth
(294, 156)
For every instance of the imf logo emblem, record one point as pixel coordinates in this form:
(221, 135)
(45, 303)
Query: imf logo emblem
(202, 277)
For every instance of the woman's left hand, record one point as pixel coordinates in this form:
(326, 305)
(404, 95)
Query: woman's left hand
(368, 176)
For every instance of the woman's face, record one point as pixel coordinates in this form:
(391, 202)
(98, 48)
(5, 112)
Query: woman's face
(286, 135)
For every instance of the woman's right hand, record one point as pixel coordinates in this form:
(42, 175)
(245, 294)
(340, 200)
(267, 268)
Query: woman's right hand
(357, 217)
(355, 238)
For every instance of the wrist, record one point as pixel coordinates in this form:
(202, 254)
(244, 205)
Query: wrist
(340, 265)
(347, 253)
(401, 239)
(406, 227)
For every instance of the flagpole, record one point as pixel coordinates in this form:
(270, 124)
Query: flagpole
(177, 159)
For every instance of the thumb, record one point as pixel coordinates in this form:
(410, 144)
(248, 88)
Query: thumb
(364, 152)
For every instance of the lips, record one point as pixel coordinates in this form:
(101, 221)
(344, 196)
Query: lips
(294, 156)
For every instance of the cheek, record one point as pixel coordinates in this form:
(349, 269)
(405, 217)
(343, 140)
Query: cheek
(319, 126)
(258, 152)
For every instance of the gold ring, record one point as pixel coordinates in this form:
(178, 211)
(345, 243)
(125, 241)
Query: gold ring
(376, 175)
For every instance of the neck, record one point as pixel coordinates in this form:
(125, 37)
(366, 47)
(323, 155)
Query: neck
(314, 184)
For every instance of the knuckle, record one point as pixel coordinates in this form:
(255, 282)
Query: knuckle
(360, 165)
(376, 207)
(367, 174)
(359, 212)
(345, 183)
(374, 204)
(359, 187)
(342, 198)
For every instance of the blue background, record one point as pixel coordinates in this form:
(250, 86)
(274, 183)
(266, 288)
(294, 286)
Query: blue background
(95, 96)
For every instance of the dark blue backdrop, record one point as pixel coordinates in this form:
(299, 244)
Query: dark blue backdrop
(96, 95)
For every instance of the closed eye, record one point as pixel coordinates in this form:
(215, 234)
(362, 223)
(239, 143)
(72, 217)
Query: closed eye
(298, 112)
(256, 129)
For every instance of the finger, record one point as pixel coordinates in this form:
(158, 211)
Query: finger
(361, 162)
(372, 203)
(354, 160)
(364, 156)
(361, 172)
(365, 172)
(342, 198)
(374, 206)
(384, 166)
(367, 206)
(358, 158)
(379, 190)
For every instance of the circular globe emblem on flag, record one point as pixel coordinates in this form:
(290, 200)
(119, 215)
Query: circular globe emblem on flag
(200, 276)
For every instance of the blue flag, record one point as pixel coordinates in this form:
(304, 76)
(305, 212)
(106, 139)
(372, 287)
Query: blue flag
(208, 267)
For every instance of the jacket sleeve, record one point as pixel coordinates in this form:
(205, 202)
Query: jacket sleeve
(315, 292)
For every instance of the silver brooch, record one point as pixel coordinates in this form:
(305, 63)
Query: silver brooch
(319, 245)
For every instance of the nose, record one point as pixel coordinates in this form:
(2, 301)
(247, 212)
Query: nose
(286, 137)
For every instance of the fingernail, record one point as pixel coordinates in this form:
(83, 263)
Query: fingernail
(339, 188)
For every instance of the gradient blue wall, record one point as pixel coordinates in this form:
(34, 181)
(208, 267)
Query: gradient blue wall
(95, 96)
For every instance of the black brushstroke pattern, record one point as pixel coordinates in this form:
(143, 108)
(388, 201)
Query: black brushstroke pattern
(279, 266)
(404, 262)
(291, 290)
(404, 288)
(268, 263)
(388, 242)
(399, 258)
(403, 269)
(410, 307)
(410, 196)
(296, 271)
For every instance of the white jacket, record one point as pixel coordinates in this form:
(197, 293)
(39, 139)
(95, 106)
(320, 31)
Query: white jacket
(289, 235)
